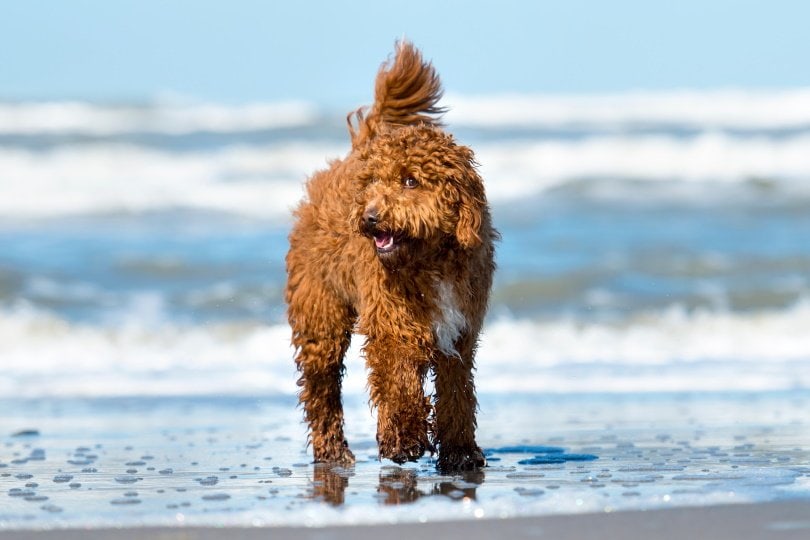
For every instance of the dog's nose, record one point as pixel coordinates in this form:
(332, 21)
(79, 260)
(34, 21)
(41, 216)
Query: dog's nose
(370, 217)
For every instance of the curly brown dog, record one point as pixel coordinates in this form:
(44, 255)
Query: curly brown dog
(394, 242)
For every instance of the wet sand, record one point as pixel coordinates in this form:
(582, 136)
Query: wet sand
(765, 521)
(203, 467)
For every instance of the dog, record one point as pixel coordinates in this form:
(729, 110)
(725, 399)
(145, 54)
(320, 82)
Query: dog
(394, 242)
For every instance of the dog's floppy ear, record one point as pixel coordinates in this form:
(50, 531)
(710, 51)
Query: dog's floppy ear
(470, 214)
(471, 203)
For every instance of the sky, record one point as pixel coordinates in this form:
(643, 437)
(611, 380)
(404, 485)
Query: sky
(327, 52)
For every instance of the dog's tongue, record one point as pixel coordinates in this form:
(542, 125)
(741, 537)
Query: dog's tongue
(384, 240)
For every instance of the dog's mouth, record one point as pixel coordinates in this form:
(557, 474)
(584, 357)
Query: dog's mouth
(385, 241)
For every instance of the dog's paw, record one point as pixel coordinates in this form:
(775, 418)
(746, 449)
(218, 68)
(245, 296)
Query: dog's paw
(339, 455)
(400, 453)
(455, 460)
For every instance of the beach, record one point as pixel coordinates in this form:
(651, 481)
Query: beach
(227, 462)
(644, 365)
(739, 522)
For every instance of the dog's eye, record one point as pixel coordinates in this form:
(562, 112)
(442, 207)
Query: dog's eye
(409, 182)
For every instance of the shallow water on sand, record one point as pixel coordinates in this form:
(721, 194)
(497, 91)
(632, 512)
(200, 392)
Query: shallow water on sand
(243, 461)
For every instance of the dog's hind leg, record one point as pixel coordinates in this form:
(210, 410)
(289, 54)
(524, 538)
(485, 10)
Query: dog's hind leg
(321, 327)
(455, 402)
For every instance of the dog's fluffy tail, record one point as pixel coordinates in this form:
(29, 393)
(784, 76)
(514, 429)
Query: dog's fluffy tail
(406, 92)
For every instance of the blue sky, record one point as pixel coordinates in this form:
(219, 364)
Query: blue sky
(327, 52)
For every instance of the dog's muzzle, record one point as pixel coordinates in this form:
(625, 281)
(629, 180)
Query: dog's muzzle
(370, 219)
(384, 240)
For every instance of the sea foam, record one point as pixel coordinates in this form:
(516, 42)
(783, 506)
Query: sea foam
(44, 355)
(707, 109)
(704, 109)
(266, 181)
(170, 117)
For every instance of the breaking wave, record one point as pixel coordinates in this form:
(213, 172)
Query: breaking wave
(676, 351)
(266, 181)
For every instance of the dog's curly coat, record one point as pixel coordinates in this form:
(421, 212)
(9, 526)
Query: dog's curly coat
(395, 242)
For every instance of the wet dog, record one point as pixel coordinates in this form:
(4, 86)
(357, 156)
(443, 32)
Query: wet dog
(394, 242)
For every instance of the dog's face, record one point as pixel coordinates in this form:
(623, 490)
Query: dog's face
(418, 190)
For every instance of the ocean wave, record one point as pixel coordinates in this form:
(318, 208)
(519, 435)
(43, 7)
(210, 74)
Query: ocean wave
(167, 117)
(729, 109)
(116, 178)
(705, 110)
(673, 350)
(516, 170)
(266, 181)
(44, 355)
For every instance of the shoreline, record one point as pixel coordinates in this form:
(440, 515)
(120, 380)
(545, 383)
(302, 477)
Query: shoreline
(770, 520)
(187, 466)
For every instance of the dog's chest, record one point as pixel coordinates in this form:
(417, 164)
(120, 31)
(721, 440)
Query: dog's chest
(448, 320)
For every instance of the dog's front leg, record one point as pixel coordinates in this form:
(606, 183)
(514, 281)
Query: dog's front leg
(397, 374)
(455, 410)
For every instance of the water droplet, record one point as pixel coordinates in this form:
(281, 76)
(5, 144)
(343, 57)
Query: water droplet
(18, 492)
(26, 433)
(126, 479)
(210, 481)
(216, 497)
(125, 501)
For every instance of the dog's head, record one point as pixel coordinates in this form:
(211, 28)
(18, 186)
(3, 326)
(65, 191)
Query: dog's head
(418, 190)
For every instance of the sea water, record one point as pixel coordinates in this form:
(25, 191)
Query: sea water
(652, 289)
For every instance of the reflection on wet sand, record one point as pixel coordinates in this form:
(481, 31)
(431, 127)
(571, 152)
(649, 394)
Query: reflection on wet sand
(329, 483)
(396, 485)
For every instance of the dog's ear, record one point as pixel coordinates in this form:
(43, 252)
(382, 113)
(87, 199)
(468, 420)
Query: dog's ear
(471, 204)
